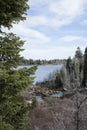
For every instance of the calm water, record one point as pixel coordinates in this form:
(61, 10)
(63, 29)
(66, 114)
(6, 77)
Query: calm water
(60, 94)
(43, 71)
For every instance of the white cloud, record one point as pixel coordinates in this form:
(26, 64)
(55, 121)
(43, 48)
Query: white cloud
(57, 13)
(37, 20)
(32, 36)
(46, 15)
(52, 14)
(39, 2)
(68, 8)
(72, 38)
(84, 22)
(51, 53)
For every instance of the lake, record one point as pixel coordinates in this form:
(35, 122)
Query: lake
(43, 71)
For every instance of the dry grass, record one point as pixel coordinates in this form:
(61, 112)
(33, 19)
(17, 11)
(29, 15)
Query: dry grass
(59, 114)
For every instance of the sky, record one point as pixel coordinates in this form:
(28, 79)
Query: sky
(53, 29)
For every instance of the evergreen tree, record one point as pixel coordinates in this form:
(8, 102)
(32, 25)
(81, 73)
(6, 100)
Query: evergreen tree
(78, 53)
(10, 46)
(58, 82)
(69, 65)
(79, 56)
(12, 11)
(78, 65)
(85, 69)
(12, 106)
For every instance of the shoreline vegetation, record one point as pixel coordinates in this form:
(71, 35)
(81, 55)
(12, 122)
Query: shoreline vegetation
(56, 114)
(51, 112)
(73, 101)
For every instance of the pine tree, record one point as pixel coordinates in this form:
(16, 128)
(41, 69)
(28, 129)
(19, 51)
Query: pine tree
(12, 11)
(10, 46)
(12, 106)
(78, 65)
(69, 65)
(78, 53)
(85, 69)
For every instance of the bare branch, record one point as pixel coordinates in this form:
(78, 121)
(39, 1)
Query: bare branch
(82, 102)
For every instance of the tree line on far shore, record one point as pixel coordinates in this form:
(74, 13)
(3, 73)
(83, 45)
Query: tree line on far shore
(42, 62)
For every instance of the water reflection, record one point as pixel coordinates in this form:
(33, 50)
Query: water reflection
(60, 94)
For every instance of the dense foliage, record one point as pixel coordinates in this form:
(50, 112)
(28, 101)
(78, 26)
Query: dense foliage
(10, 46)
(13, 108)
(72, 74)
(12, 81)
(74, 70)
(85, 69)
(12, 11)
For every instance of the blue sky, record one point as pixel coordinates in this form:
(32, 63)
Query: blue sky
(53, 28)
